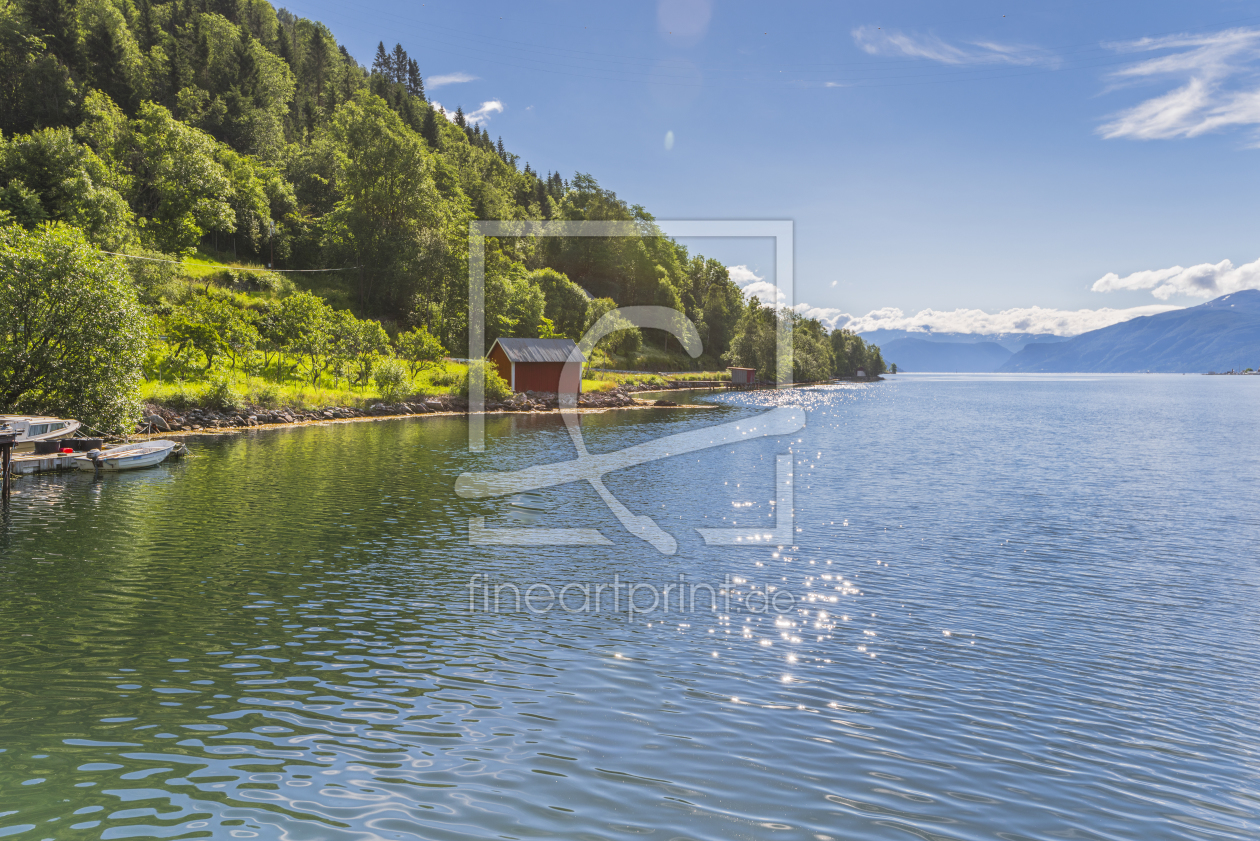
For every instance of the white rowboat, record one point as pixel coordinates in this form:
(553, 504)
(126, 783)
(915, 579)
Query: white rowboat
(127, 456)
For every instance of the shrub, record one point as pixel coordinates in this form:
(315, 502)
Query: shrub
(446, 378)
(391, 380)
(220, 394)
(627, 342)
(265, 394)
(182, 397)
(497, 388)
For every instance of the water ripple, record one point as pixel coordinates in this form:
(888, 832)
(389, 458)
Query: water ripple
(1025, 608)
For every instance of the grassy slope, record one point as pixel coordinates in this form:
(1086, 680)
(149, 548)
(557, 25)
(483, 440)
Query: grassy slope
(338, 290)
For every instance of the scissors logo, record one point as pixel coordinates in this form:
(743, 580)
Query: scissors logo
(592, 468)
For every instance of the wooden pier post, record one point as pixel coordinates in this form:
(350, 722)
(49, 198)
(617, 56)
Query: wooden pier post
(7, 437)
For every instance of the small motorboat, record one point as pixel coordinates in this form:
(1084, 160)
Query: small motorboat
(129, 456)
(32, 428)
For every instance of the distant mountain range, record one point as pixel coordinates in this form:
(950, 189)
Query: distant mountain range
(924, 355)
(1220, 335)
(1014, 342)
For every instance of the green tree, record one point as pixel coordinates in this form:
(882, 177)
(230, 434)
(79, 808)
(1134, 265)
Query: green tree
(754, 342)
(399, 64)
(415, 84)
(358, 343)
(812, 356)
(383, 64)
(514, 306)
(625, 340)
(301, 322)
(72, 335)
(429, 129)
(853, 354)
(384, 174)
(36, 87)
(874, 361)
(170, 173)
(46, 176)
(566, 303)
(419, 349)
(249, 199)
(195, 327)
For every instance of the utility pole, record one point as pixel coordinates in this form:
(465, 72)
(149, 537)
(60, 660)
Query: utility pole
(271, 240)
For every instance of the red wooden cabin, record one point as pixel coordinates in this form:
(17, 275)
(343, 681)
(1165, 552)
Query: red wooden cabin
(531, 364)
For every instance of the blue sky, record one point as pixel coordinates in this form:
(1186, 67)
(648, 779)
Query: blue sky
(968, 159)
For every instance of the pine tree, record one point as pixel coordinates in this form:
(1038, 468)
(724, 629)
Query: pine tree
(502, 151)
(400, 63)
(318, 58)
(415, 85)
(56, 21)
(145, 31)
(460, 119)
(106, 60)
(429, 129)
(382, 64)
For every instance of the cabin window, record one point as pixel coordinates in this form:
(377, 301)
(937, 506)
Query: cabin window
(38, 429)
(54, 427)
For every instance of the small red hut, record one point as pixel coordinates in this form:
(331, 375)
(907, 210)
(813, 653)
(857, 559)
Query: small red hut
(743, 376)
(531, 364)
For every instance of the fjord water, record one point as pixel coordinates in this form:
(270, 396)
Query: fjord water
(1040, 600)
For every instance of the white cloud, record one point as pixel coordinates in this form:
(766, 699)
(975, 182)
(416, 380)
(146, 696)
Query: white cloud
(750, 283)
(449, 79)
(889, 42)
(1206, 280)
(1037, 320)
(830, 317)
(1020, 320)
(1220, 75)
(481, 115)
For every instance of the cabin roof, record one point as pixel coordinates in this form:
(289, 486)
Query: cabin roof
(536, 350)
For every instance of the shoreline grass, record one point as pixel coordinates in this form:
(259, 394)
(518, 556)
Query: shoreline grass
(223, 388)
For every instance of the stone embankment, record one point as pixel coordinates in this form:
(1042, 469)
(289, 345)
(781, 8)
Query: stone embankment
(165, 419)
(158, 418)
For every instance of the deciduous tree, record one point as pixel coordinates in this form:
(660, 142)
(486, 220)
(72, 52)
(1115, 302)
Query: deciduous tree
(72, 335)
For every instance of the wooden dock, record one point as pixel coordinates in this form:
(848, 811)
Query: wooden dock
(25, 464)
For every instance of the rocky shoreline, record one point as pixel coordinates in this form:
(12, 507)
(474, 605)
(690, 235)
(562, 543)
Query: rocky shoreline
(160, 419)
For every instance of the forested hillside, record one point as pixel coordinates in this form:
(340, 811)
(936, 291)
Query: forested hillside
(233, 132)
(164, 126)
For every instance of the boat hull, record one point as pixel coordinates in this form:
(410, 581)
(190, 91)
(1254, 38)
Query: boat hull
(127, 458)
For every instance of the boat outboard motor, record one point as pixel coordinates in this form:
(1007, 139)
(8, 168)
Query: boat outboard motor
(95, 456)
